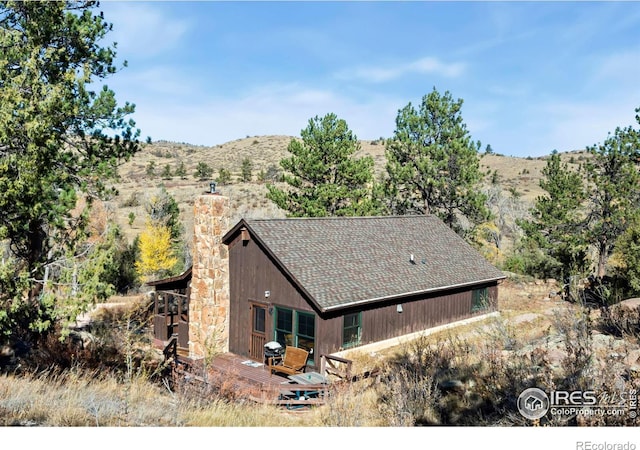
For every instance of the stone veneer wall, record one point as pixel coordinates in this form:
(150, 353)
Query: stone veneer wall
(209, 302)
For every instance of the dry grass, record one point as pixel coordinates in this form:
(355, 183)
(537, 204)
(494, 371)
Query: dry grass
(88, 399)
(470, 375)
(249, 199)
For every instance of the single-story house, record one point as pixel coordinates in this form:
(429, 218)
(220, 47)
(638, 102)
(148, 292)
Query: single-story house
(327, 284)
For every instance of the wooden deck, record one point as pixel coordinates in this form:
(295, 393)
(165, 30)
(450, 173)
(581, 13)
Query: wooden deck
(237, 377)
(240, 377)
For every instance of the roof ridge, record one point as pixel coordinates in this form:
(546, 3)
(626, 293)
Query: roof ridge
(396, 216)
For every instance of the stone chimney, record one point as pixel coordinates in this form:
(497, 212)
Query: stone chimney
(209, 302)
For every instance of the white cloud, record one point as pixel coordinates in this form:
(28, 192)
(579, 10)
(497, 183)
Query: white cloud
(142, 29)
(619, 70)
(159, 80)
(379, 74)
(273, 110)
(574, 126)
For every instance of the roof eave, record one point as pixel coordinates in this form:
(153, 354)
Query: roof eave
(227, 238)
(410, 294)
(183, 276)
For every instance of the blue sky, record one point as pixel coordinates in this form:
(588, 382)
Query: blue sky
(534, 76)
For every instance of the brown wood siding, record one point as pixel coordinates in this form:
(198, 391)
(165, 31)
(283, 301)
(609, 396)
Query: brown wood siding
(383, 321)
(252, 272)
(417, 315)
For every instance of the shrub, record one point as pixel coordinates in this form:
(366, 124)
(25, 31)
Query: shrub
(132, 201)
(621, 321)
(203, 171)
(181, 171)
(224, 176)
(246, 169)
(166, 172)
(273, 174)
(151, 169)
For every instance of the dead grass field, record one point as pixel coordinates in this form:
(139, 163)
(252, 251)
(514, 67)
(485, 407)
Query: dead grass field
(477, 357)
(249, 199)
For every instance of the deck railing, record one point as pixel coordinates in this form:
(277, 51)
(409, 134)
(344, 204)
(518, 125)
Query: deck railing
(171, 316)
(171, 349)
(334, 365)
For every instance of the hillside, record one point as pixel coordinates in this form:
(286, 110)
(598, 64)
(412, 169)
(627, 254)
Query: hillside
(249, 199)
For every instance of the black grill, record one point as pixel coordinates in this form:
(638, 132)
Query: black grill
(272, 349)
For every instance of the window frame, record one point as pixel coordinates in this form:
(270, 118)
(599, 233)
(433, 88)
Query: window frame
(276, 329)
(480, 300)
(357, 327)
(295, 328)
(298, 335)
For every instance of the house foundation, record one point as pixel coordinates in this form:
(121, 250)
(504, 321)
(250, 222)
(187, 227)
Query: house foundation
(209, 300)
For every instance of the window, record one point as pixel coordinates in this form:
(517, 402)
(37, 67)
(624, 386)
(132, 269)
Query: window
(296, 328)
(480, 299)
(284, 326)
(306, 332)
(351, 329)
(258, 319)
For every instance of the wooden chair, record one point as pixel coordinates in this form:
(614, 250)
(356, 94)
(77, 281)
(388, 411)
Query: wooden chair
(294, 361)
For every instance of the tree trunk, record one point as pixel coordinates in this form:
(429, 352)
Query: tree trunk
(603, 250)
(37, 238)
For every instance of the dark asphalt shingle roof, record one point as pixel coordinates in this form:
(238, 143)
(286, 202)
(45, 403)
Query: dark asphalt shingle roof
(347, 260)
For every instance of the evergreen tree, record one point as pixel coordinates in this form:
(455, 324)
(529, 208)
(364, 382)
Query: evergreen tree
(151, 169)
(628, 249)
(615, 191)
(166, 172)
(60, 138)
(181, 171)
(433, 166)
(224, 176)
(203, 171)
(247, 167)
(554, 232)
(323, 176)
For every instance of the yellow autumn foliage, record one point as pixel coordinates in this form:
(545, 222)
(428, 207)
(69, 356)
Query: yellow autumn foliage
(156, 254)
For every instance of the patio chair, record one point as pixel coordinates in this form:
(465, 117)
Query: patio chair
(293, 361)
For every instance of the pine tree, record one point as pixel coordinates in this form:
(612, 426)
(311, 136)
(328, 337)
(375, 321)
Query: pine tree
(614, 196)
(224, 176)
(245, 171)
(181, 171)
(323, 176)
(203, 171)
(433, 166)
(554, 232)
(166, 172)
(151, 169)
(62, 136)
